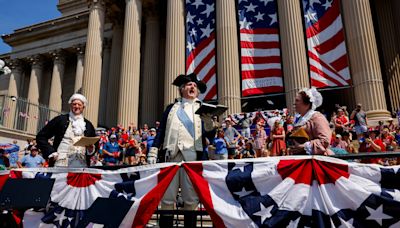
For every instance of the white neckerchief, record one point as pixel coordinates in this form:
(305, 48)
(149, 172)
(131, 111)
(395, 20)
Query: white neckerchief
(303, 119)
(78, 124)
(189, 101)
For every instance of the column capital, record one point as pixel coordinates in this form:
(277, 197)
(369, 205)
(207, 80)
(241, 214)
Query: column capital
(37, 61)
(16, 65)
(80, 49)
(58, 56)
(99, 4)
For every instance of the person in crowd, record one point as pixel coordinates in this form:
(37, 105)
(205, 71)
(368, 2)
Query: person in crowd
(388, 140)
(289, 124)
(181, 134)
(245, 123)
(145, 130)
(372, 143)
(142, 159)
(157, 125)
(314, 123)
(220, 144)
(391, 126)
(136, 135)
(346, 138)
(132, 146)
(397, 136)
(66, 130)
(248, 151)
(339, 146)
(233, 136)
(360, 120)
(32, 160)
(260, 137)
(4, 161)
(341, 122)
(278, 140)
(111, 151)
(150, 138)
(380, 126)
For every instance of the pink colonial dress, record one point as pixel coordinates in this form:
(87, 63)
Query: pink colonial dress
(278, 144)
(317, 128)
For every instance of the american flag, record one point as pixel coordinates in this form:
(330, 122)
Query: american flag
(260, 48)
(327, 51)
(200, 44)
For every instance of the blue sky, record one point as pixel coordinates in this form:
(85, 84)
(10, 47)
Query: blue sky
(21, 13)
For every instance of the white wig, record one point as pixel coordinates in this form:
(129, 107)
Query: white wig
(78, 96)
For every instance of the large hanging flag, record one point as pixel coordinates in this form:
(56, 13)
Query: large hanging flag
(302, 191)
(327, 51)
(200, 44)
(260, 48)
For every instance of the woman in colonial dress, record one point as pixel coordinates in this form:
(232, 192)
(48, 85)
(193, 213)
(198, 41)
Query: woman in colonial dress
(313, 122)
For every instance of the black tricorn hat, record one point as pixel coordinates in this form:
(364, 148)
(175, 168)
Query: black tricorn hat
(183, 79)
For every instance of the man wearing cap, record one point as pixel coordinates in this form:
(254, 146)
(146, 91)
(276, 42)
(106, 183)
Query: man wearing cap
(111, 151)
(360, 120)
(32, 160)
(180, 138)
(66, 130)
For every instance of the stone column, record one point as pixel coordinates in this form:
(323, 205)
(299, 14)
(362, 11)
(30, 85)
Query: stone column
(294, 56)
(128, 105)
(93, 60)
(228, 72)
(175, 48)
(104, 81)
(33, 93)
(114, 75)
(80, 57)
(364, 59)
(55, 101)
(14, 87)
(390, 51)
(148, 98)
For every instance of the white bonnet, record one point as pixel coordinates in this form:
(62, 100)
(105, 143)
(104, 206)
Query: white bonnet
(78, 96)
(315, 97)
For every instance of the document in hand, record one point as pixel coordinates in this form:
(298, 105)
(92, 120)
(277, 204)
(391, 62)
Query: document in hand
(87, 141)
(215, 110)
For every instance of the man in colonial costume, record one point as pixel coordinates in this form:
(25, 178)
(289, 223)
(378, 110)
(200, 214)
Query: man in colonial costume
(180, 138)
(67, 129)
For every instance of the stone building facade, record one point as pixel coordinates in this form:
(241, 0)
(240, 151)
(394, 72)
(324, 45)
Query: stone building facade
(124, 55)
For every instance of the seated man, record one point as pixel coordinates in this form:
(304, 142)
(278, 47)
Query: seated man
(32, 160)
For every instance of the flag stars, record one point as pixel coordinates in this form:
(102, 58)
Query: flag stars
(190, 46)
(245, 24)
(346, 224)
(193, 32)
(251, 8)
(206, 31)
(264, 212)
(273, 18)
(311, 16)
(199, 21)
(189, 18)
(377, 214)
(312, 2)
(259, 16)
(266, 2)
(197, 3)
(209, 9)
(60, 217)
(243, 193)
(328, 4)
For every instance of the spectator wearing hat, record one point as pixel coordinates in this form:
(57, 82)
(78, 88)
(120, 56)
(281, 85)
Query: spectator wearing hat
(220, 144)
(232, 136)
(388, 139)
(111, 151)
(391, 126)
(360, 120)
(181, 135)
(151, 137)
(32, 160)
(66, 130)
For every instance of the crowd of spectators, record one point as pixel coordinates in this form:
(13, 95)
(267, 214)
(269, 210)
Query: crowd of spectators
(249, 137)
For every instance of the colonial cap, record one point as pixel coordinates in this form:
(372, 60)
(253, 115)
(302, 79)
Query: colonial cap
(78, 96)
(183, 79)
